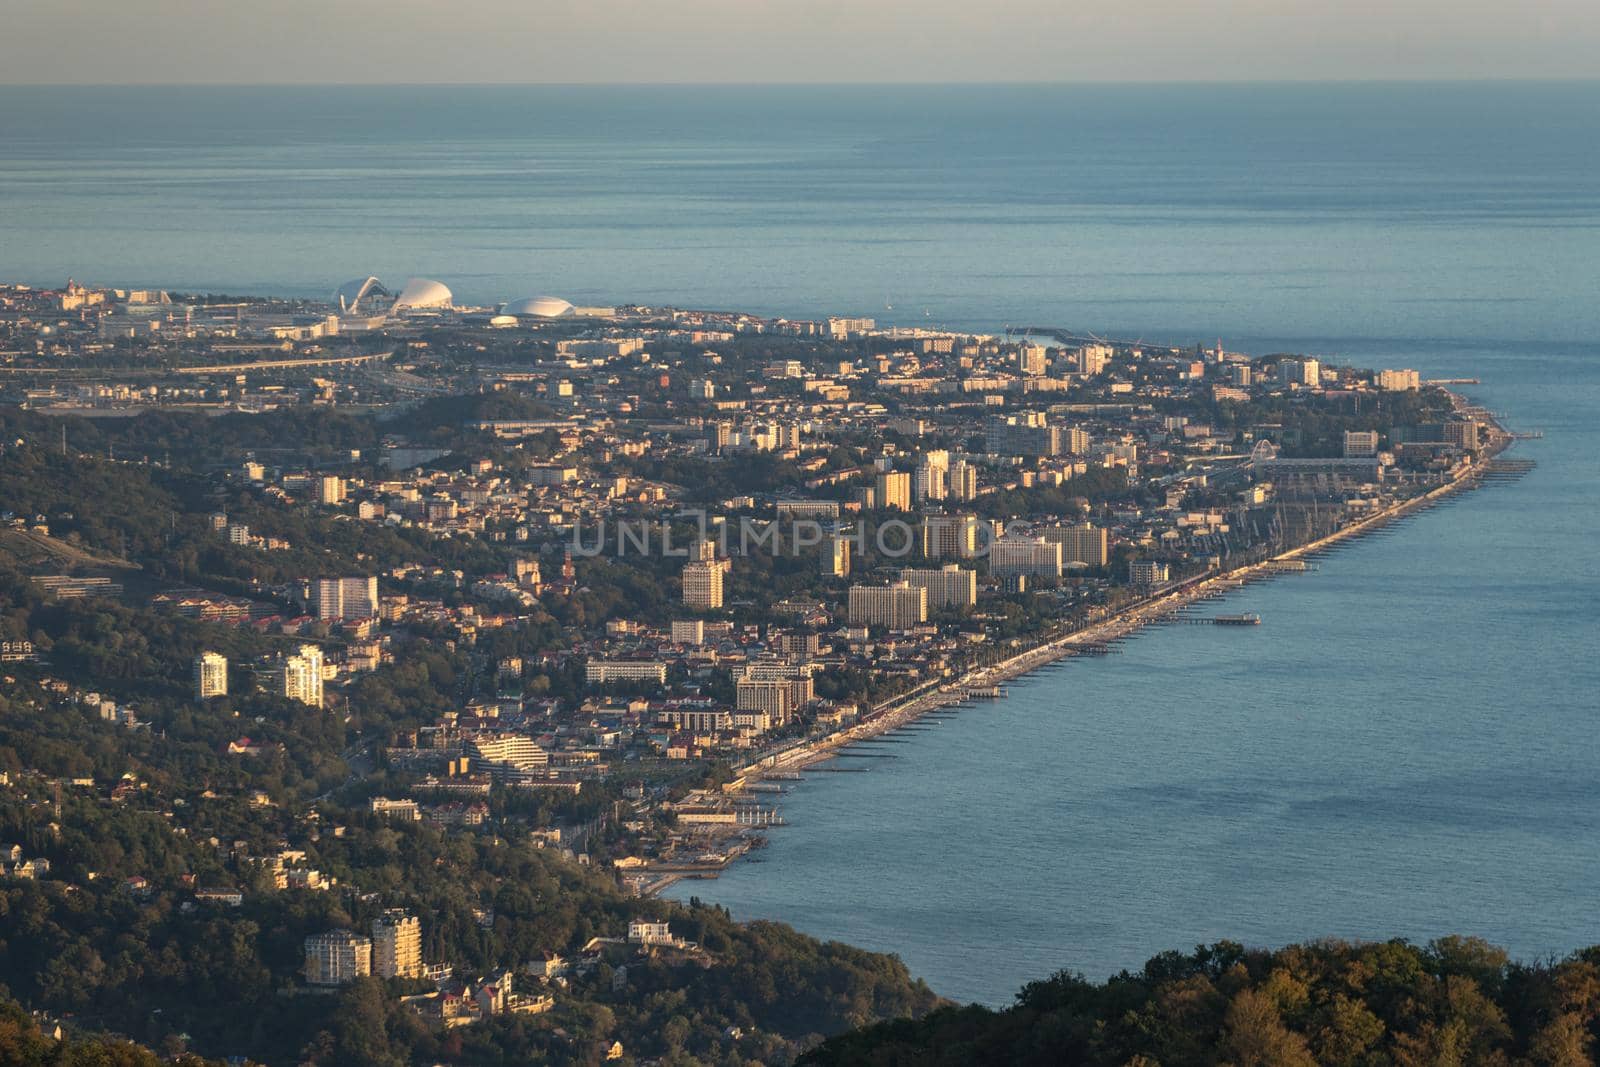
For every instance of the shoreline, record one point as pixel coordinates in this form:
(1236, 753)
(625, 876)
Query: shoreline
(937, 694)
(898, 711)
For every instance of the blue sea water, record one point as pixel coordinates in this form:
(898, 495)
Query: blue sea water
(1407, 746)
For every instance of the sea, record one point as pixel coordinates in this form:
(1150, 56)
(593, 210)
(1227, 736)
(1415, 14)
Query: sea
(1409, 744)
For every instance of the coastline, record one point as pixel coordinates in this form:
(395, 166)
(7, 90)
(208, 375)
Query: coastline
(905, 708)
(937, 694)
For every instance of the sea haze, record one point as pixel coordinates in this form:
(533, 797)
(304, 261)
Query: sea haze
(1421, 211)
(1405, 747)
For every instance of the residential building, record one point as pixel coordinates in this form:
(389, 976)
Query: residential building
(702, 585)
(396, 945)
(645, 932)
(1081, 543)
(1360, 444)
(344, 599)
(298, 677)
(949, 586)
(897, 606)
(1029, 557)
(210, 675)
(769, 697)
(1148, 572)
(330, 490)
(963, 481)
(951, 536)
(600, 671)
(836, 556)
(1399, 380)
(931, 478)
(337, 957)
(893, 490)
(1305, 372)
(1023, 436)
(1092, 359)
(504, 755)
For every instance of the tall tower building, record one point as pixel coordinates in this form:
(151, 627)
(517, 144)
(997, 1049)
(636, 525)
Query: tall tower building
(343, 599)
(210, 675)
(893, 490)
(299, 677)
(932, 476)
(836, 556)
(1081, 543)
(702, 585)
(396, 945)
(963, 481)
(330, 489)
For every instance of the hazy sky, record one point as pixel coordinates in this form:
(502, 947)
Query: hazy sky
(119, 41)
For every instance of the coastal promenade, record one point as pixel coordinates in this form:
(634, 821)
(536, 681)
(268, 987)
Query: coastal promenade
(1095, 636)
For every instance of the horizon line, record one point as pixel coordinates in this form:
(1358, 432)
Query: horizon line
(745, 84)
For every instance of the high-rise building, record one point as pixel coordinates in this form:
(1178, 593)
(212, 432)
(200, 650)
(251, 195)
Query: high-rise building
(1081, 543)
(948, 587)
(963, 481)
(1031, 557)
(299, 677)
(1032, 359)
(951, 536)
(702, 585)
(893, 490)
(343, 599)
(768, 696)
(897, 606)
(775, 688)
(337, 957)
(1399, 380)
(210, 675)
(1092, 359)
(836, 556)
(840, 328)
(396, 945)
(1304, 371)
(932, 476)
(688, 632)
(1463, 433)
(330, 489)
(1018, 436)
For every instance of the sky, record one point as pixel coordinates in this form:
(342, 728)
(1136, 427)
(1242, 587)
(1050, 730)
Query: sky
(742, 41)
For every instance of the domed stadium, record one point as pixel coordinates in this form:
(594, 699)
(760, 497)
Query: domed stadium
(538, 307)
(423, 294)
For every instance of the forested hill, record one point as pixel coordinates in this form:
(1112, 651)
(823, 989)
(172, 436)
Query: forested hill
(1456, 1001)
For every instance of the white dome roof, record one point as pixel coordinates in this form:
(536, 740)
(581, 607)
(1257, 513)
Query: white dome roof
(423, 293)
(350, 296)
(543, 307)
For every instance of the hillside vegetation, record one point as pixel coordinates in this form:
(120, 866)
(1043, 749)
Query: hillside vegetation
(1457, 1001)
